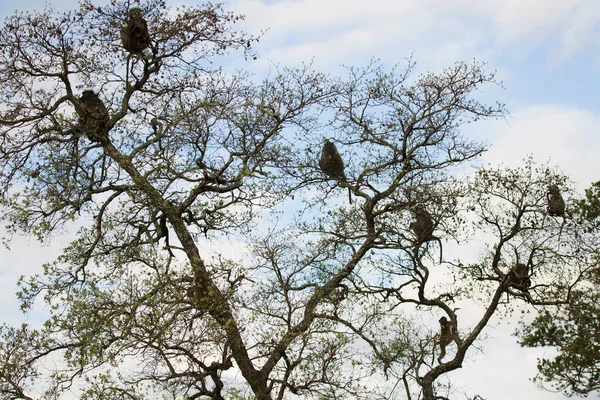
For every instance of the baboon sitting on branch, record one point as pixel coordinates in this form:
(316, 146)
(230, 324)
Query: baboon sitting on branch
(518, 277)
(93, 117)
(134, 35)
(332, 165)
(556, 204)
(423, 227)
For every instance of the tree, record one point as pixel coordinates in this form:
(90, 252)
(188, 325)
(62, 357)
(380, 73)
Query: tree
(323, 297)
(572, 329)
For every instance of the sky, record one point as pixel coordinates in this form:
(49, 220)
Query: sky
(546, 53)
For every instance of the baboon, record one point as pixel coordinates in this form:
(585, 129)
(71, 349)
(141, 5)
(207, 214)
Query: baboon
(93, 116)
(447, 336)
(198, 297)
(423, 226)
(162, 231)
(157, 126)
(338, 294)
(134, 35)
(332, 165)
(518, 277)
(331, 162)
(556, 204)
(194, 293)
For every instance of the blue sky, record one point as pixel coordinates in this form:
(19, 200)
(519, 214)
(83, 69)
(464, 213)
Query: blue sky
(546, 52)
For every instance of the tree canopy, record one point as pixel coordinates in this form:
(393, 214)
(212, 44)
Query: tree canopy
(572, 328)
(213, 257)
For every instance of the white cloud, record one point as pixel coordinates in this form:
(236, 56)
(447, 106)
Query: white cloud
(568, 136)
(502, 370)
(583, 29)
(344, 30)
